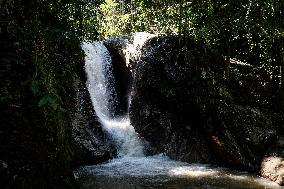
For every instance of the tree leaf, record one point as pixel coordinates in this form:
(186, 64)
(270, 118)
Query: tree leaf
(35, 87)
(43, 101)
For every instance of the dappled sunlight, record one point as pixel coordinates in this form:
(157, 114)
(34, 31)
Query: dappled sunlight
(193, 172)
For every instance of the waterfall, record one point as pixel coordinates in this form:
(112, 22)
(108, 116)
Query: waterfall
(100, 83)
(133, 169)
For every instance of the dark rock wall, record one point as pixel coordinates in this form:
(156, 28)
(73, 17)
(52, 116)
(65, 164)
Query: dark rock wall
(123, 80)
(92, 145)
(183, 106)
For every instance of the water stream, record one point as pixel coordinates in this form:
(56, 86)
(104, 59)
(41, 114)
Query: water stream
(132, 169)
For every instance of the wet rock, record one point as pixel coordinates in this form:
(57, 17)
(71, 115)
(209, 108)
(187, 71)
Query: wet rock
(129, 46)
(3, 165)
(272, 165)
(124, 52)
(183, 106)
(4, 174)
(163, 109)
(254, 87)
(92, 145)
(123, 81)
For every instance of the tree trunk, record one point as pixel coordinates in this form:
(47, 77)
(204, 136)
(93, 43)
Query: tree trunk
(282, 71)
(227, 67)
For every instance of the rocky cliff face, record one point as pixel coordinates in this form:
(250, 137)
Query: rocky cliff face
(91, 144)
(182, 105)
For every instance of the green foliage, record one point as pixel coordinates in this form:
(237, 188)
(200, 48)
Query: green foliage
(250, 30)
(43, 51)
(159, 17)
(40, 57)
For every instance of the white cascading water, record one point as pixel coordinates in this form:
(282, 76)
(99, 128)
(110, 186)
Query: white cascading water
(131, 161)
(100, 83)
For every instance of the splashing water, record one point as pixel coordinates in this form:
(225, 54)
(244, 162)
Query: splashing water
(132, 50)
(130, 47)
(100, 83)
(161, 172)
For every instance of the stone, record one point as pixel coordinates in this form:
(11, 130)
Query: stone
(272, 167)
(92, 145)
(183, 106)
(3, 165)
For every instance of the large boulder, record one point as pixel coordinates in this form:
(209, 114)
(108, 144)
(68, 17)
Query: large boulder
(123, 80)
(90, 143)
(124, 52)
(183, 105)
(272, 166)
(128, 46)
